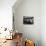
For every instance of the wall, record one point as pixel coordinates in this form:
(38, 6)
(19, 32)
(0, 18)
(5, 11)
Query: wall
(6, 13)
(43, 22)
(29, 8)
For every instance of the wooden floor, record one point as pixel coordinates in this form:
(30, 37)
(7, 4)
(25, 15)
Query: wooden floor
(9, 43)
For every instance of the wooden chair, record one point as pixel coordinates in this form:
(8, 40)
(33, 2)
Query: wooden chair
(18, 39)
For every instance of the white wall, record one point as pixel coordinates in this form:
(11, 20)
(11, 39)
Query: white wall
(6, 13)
(29, 8)
(43, 22)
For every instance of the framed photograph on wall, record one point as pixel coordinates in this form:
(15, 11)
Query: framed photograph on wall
(28, 20)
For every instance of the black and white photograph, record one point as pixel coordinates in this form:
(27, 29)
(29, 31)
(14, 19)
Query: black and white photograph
(28, 20)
